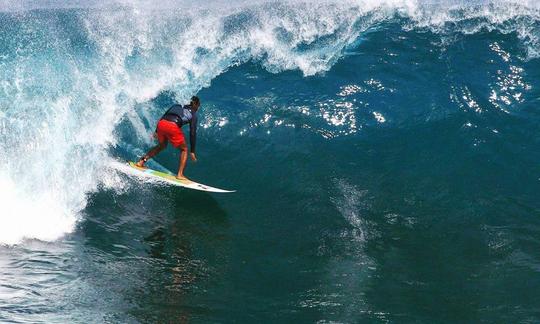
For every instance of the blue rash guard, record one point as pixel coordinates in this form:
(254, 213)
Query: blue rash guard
(181, 116)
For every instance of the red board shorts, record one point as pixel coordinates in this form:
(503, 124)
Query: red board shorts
(168, 130)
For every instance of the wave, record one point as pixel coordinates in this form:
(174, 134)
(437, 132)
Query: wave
(70, 73)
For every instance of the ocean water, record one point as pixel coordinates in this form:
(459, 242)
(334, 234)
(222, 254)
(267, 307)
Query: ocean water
(385, 156)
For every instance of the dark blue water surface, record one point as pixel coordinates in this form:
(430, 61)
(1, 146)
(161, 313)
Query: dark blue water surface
(389, 172)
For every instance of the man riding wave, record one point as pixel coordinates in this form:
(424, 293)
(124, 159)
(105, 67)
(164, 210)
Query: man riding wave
(169, 129)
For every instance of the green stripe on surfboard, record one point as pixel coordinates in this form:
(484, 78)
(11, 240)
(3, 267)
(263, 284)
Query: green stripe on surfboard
(169, 178)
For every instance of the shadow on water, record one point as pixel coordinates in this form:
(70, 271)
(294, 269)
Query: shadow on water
(148, 249)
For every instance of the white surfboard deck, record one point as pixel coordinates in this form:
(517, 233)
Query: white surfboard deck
(171, 179)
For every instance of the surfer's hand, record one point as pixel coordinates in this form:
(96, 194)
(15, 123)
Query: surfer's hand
(193, 157)
(154, 135)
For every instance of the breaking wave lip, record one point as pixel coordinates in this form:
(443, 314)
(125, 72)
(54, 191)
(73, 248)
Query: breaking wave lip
(85, 69)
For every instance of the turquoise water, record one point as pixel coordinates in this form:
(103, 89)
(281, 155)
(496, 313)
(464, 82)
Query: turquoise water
(385, 159)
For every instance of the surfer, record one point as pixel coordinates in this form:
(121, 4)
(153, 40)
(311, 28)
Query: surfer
(169, 129)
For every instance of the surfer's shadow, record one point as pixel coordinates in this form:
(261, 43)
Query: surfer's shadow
(192, 217)
(203, 206)
(195, 236)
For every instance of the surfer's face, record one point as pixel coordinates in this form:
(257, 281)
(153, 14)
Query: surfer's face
(196, 106)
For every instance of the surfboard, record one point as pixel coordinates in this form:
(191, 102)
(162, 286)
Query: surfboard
(171, 179)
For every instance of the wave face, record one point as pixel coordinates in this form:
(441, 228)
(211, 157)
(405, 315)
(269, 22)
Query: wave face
(72, 76)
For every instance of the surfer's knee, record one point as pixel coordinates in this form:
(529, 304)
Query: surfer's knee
(183, 147)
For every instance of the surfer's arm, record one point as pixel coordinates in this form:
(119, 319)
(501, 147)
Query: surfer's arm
(193, 133)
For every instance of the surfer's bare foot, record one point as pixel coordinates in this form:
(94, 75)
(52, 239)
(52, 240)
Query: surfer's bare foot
(142, 161)
(181, 177)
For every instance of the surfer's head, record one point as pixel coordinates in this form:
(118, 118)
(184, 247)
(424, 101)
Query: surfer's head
(195, 103)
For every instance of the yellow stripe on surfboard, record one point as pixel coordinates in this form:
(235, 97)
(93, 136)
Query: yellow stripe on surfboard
(169, 178)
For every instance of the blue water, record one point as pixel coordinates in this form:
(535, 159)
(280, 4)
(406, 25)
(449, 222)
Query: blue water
(385, 158)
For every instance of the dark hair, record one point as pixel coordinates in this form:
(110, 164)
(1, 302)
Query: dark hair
(195, 100)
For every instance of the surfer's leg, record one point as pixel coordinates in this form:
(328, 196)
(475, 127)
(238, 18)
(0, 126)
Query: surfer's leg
(183, 160)
(153, 152)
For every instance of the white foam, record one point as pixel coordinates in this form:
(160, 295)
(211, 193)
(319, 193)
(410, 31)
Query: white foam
(39, 215)
(379, 117)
